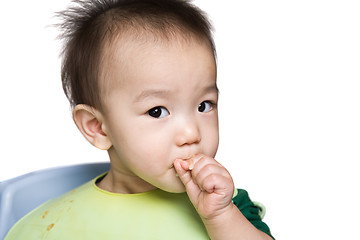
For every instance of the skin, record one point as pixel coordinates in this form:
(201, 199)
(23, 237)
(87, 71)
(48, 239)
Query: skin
(159, 123)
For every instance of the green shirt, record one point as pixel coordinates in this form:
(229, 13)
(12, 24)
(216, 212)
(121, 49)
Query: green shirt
(89, 212)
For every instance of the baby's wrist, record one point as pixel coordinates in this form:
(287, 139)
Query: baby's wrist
(216, 224)
(218, 217)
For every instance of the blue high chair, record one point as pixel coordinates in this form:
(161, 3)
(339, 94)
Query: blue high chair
(20, 195)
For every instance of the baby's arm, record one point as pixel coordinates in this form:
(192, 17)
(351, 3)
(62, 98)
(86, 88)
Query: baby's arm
(210, 189)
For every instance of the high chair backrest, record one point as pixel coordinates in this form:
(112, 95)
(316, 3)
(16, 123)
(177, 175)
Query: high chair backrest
(20, 195)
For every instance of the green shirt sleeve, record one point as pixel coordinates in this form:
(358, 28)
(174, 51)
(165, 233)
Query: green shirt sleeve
(250, 211)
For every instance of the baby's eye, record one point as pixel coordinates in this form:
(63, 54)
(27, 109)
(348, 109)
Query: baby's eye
(158, 112)
(205, 106)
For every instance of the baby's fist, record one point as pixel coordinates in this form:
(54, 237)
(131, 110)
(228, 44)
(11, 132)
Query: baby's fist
(208, 184)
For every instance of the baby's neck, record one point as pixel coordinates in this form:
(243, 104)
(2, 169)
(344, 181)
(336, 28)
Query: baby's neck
(117, 183)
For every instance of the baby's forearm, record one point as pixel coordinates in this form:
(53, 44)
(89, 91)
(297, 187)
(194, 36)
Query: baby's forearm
(233, 225)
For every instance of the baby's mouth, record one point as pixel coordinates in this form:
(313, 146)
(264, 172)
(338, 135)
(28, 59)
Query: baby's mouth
(188, 157)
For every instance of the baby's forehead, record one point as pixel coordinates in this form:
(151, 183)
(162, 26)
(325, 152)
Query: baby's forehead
(129, 47)
(132, 36)
(126, 54)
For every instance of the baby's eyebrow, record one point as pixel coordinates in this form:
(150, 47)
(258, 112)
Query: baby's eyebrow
(152, 93)
(212, 88)
(162, 93)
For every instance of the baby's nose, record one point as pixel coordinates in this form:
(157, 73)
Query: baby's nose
(188, 133)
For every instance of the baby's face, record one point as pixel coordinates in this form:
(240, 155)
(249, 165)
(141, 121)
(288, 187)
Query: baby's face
(161, 106)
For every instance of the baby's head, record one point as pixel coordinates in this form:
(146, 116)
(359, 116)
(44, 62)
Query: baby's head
(92, 29)
(141, 78)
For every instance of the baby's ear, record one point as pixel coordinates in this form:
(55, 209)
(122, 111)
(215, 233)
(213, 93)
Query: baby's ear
(90, 123)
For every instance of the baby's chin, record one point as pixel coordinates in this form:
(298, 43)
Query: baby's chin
(174, 187)
(177, 190)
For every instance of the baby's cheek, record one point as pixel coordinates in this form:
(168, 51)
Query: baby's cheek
(174, 186)
(212, 148)
(211, 141)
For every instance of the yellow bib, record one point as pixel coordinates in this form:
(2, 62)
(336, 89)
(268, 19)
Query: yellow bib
(91, 213)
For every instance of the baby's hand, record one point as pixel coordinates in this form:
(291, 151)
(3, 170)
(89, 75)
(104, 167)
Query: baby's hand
(208, 185)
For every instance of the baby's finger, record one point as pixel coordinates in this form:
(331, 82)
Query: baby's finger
(216, 183)
(209, 172)
(207, 164)
(210, 175)
(189, 164)
(181, 168)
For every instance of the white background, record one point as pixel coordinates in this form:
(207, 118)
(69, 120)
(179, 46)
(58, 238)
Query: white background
(289, 76)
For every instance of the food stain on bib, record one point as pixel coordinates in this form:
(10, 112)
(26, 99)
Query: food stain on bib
(50, 226)
(45, 214)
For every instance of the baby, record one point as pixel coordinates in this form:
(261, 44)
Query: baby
(141, 78)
